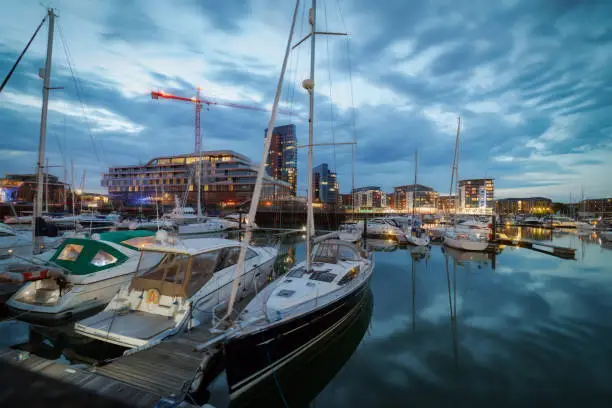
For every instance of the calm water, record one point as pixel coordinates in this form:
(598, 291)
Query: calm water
(445, 328)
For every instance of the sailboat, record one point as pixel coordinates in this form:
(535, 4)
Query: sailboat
(417, 234)
(313, 299)
(457, 236)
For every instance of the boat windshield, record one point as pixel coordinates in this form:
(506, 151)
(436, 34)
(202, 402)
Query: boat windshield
(334, 251)
(165, 272)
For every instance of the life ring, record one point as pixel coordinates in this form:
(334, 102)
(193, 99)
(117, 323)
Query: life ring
(152, 297)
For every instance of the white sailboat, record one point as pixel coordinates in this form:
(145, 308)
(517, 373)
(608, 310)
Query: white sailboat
(312, 299)
(462, 237)
(416, 234)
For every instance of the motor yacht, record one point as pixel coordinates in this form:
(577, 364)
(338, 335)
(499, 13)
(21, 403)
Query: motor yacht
(81, 276)
(179, 284)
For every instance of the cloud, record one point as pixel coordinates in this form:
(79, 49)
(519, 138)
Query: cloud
(528, 78)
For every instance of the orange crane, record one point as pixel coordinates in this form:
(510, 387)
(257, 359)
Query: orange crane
(198, 108)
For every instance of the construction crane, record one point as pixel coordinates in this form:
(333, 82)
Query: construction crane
(198, 108)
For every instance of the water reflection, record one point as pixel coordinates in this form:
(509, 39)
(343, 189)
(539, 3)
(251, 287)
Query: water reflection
(298, 383)
(382, 245)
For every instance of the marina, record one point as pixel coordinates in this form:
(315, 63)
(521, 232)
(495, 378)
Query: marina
(187, 274)
(165, 370)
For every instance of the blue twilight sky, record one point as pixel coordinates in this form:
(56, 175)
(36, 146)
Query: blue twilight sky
(530, 80)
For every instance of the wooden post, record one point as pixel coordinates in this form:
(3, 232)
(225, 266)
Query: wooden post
(493, 229)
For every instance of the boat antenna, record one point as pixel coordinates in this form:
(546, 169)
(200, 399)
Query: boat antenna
(260, 172)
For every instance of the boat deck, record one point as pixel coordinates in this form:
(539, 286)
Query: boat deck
(138, 324)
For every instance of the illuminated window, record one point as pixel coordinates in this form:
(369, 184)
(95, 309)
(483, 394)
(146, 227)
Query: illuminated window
(70, 252)
(103, 258)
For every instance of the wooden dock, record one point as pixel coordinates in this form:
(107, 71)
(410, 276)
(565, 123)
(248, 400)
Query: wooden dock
(51, 373)
(170, 369)
(167, 370)
(561, 252)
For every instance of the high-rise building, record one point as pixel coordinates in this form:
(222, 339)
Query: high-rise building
(404, 198)
(228, 178)
(324, 185)
(282, 159)
(476, 195)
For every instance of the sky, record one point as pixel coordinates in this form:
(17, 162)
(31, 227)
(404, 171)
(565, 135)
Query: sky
(530, 80)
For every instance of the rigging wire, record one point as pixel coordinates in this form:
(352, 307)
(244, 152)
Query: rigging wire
(77, 87)
(331, 103)
(8, 76)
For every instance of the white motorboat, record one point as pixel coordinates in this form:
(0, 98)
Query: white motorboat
(587, 224)
(142, 223)
(350, 232)
(533, 222)
(179, 284)
(181, 215)
(19, 242)
(605, 235)
(82, 275)
(384, 228)
(18, 219)
(206, 225)
(236, 218)
(462, 239)
(560, 221)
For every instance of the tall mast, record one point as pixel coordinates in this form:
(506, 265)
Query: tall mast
(47, 186)
(43, 132)
(260, 172)
(309, 85)
(198, 145)
(455, 170)
(414, 195)
(64, 186)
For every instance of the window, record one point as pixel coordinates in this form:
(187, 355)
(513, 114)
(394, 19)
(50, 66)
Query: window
(202, 267)
(171, 268)
(70, 252)
(346, 253)
(103, 258)
(350, 275)
(250, 254)
(229, 257)
(325, 253)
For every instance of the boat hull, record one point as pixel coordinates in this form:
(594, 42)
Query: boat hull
(466, 245)
(252, 357)
(74, 305)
